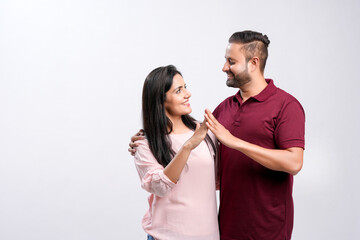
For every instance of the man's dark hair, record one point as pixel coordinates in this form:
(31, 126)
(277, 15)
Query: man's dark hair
(255, 44)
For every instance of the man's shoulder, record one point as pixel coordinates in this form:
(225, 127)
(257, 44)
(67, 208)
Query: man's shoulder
(227, 100)
(287, 101)
(223, 105)
(285, 96)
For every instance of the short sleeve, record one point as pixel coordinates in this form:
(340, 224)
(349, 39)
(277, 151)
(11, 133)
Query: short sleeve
(216, 111)
(290, 127)
(151, 173)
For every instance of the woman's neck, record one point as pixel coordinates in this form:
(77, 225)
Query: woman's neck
(178, 126)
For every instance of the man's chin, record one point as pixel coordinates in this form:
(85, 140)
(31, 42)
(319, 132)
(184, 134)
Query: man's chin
(230, 82)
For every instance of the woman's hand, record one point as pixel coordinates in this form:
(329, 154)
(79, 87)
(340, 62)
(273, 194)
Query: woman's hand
(175, 167)
(198, 136)
(221, 133)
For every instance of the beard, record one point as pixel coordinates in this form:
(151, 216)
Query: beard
(239, 79)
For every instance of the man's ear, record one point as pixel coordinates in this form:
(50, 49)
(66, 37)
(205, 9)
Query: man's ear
(254, 63)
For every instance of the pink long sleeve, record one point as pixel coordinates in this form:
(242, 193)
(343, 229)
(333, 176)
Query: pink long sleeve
(151, 173)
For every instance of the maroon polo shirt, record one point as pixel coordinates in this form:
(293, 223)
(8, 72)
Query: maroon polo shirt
(256, 202)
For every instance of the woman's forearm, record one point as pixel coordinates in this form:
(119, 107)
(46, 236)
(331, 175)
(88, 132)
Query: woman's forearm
(177, 164)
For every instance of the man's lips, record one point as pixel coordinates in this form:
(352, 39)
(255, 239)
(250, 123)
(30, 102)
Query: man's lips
(230, 75)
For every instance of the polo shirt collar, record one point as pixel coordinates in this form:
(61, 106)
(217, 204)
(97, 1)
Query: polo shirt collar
(264, 94)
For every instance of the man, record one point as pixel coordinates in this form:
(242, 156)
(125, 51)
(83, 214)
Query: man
(261, 130)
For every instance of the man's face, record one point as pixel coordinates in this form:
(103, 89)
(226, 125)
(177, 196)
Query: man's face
(236, 66)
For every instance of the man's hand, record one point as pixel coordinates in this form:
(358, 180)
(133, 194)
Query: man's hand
(221, 133)
(132, 145)
(287, 160)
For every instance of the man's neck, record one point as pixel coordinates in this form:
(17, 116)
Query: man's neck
(253, 88)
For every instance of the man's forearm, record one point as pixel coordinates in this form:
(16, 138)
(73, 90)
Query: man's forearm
(288, 160)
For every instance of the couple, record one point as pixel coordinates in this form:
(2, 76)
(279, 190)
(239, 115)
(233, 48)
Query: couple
(261, 134)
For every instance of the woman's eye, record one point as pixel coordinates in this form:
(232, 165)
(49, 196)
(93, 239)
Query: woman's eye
(178, 91)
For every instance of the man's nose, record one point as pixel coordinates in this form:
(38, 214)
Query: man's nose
(225, 67)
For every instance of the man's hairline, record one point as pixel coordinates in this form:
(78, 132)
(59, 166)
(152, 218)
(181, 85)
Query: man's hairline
(242, 47)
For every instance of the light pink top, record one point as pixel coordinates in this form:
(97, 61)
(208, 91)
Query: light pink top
(186, 210)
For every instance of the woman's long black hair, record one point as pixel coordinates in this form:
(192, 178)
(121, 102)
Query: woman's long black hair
(156, 124)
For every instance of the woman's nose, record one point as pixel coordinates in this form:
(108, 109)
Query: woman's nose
(187, 94)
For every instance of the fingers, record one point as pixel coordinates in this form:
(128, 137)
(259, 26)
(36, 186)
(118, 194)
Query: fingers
(209, 121)
(138, 136)
(203, 124)
(133, 144)
(209, 126)
(199, 134)
(140, 133)
(210, 116)
(132, 151)
(197, 126)
(201, 130)
(132, 148)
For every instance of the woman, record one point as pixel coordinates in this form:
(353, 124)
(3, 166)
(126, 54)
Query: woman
(175, 163)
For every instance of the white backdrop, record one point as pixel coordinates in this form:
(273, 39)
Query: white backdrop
(71, 75)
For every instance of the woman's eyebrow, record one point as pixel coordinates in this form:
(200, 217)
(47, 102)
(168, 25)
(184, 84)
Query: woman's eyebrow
(179, 87)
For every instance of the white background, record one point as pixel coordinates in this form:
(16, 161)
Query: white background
(71, 75)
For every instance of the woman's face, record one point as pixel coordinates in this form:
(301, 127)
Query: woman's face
(177, 99)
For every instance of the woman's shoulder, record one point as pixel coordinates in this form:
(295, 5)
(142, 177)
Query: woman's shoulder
(143, 144)
(143, 153)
